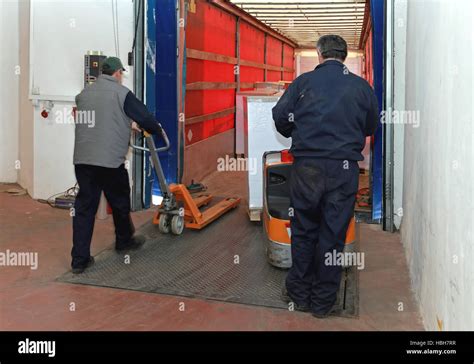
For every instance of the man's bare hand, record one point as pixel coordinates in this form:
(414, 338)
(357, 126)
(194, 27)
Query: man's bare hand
(135, 127)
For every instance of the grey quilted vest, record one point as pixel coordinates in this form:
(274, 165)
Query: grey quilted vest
(102, 127)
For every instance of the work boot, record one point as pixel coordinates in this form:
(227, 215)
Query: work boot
(135, 243)
(334, 310)
(81, 269)
(287, 299)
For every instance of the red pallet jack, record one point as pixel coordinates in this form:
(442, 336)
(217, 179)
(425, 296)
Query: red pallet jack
(179, 209)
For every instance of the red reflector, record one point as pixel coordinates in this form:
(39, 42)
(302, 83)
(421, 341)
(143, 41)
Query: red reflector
(286, 156)
(287, 224)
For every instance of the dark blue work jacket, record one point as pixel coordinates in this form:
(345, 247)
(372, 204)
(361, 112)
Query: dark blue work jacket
(328, 113)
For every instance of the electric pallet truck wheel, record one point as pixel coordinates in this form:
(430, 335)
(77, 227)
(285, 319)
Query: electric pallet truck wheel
(177, 225)
(164, 224)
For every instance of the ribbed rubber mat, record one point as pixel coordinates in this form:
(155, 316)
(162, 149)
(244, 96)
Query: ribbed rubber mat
(226, 261)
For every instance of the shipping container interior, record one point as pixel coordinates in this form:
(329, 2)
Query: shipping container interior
(239, 48)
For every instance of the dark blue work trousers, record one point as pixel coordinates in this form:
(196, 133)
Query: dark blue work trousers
(323, 193)
(92, 180)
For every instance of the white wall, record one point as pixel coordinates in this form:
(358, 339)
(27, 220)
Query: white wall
(9, 90)
(26, 125)
(399, 39)
(49, 37)
(61, 33)
(437, 227)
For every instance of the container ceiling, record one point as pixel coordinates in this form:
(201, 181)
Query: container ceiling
(304, 21)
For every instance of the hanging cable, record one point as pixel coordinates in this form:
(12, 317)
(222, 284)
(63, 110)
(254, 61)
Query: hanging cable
(136, 24)
(137, 20)
(115, 29)
(113, 26)
(70, 192)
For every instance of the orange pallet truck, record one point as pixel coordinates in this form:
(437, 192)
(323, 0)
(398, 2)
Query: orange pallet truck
(276, 205)
(179, 209)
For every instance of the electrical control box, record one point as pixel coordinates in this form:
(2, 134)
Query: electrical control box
(92, 66)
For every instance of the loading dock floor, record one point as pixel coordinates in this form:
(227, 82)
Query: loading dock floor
(226, 261)
(33, 300)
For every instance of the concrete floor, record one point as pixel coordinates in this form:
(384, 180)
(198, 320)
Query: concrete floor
(32, 300)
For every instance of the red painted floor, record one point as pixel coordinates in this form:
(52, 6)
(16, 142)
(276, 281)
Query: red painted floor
(32, 300)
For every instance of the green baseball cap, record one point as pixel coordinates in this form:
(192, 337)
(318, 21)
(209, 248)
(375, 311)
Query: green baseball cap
(113, 64)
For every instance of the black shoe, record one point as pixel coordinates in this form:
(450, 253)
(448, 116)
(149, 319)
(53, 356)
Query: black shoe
(287, 299)
(333, 311)
(135, 243)
(79, 270)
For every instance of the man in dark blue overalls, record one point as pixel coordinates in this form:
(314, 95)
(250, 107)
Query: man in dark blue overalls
(328, 113)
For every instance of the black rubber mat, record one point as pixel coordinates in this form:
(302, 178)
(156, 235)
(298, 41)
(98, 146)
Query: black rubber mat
(226, 261)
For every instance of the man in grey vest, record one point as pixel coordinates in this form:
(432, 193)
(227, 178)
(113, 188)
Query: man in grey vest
(104, 115)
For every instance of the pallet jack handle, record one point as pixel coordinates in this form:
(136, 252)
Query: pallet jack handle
(156, 160)
(157, 150)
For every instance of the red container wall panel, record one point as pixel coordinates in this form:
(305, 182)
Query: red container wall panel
(368, 61)
(368, 74)
(252, 43)
(200, 102)
(289, 62)
(274, 58)
(206, 129)
(211, 30)
(252, 48)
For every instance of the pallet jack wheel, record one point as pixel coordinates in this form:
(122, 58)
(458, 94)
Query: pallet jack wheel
(164, 224)
(177, 225)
